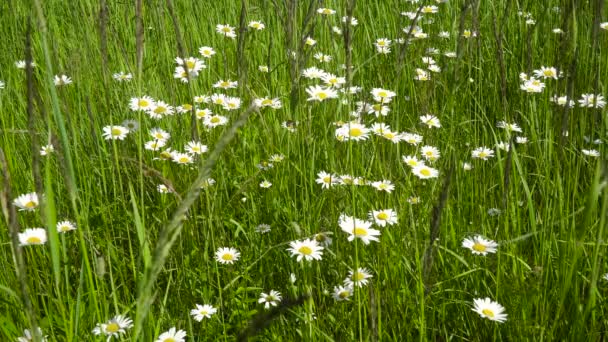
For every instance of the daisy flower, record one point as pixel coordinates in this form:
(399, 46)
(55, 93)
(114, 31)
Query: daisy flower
(307, 249)
(262, 228)
(591, 153)
(357, 228)
(412, 161)
(257, 25)
(195, 147)
(326, 180)
(155, 145)
(425, 172)
(215, 121)
(182, 158)
(227, 255)
(141, 103)
(489, 309)
(482, 153)
(33, 236)
(546, 72)
(172, 335)
(122, 77)
(480, 246)
(226, 84)
(206, 51)
(115, 132)
(318, 93)
(412, 139)
(342, 293)
(29, 337)
(383, 217)
(131, 125)
(326, 11)
(265, 184)
(383, 95)
(357, 278)
(114, 327)
(509, 127)
(384, 185)
(352, 131)
(226, 30)
(163, 189)
(47, 149)
(61, 80)
(27, 202)
(65, 226)
(430, 121)
(430, 153)
(2, 84)
(270, 299)
(202, 311)
(592, 100)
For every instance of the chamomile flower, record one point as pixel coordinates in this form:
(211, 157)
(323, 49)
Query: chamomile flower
(33, 236)
(206, 51)
(412, 138)
(358, 278)
(326, 180)
(313, 73)
(22, 64)
(591, 153)
(226, 30)
(480, 246)
(384, 185)
(318, 93)
(489, 309)
(65, 226)
(29, 337)
(352, 131)
(159, 110)
(114, 327)
(326, 11)
(270, 299)
(265, 184)
(430, 153)
(228, 84)
(47, 149)
(592, 100)
(162, 188)
(202, 311)
(256, 25)
(430, 121)
(262, 228)
(342, 293)
(115, 132)
(482, 153)
(383, 95)
(195, 147)
(2, 84)
(232, 103)
(122, 77)
(160, 134)
(27, 202)
(155, 145)
(61, 80)
(172, 335)
(412, 161)
(425, 172)
(227, 255)
(546, 72)
(383, 217)
(307, 249)
(182, 158)
(131, 125)
(141, 103)
(357, 228)
(268, 102)
(263, 68)
(509, 127)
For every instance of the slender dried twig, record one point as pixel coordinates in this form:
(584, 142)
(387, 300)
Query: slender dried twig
(241, 62)
(139, 36)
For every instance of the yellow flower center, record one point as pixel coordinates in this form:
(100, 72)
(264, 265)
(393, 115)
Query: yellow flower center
(112, 327)
(160, 110)
(267, 102)
(382, 186)
(358, 276)
(33, 240)
(225, 29)
(64, 228)
(412, 162)
(165, 155)
(204, 312)
(305, 250)
(232, 105)
(425, 172)
(116, 131)
(215, 119)
(382, 43)
(190, 64)
(389, 135)
(482, 154)
(320, 237)
(169, 339)
(344, 294)
(184, 159)
(326, 11)
(382, 216)
(327, 179)
(30, 205)
(382, 94)
(227, 257)
(548, 73)
(488, 312)
(427, 10)
(322, 95)
(355, 132)
(479, 247)
(377, 107)
(143, 103)
(225, 84)
(187, 106)
(360, 231)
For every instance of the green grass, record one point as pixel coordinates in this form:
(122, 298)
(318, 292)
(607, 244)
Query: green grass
(151, 256)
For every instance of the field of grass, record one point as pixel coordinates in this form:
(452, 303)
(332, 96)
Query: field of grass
(441, 153)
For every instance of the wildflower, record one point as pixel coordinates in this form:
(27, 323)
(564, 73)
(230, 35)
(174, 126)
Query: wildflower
(202, 311)
(412, 139)
(115, 132)
(232, 103)
(313, 73)
(532, 86)
(324, 238)
(262, 228)
(206, 51)
(62, 80)
(276, 158)
(357, 278)
(162, 188)
(114, 327)
(182, 158)
(226, 30)
(141, 103)
(227, 255)
(604, 25)
(318, 93)
(160, 134)
(307, 249)
(270, 299)
(131, 125)
(430, 153)
(546, 72)
(383, 217)
(226, 84)
(268, 102)
(27, 202)
(350, 20)
(357, 228)
(429, 9)
(384, 185)
(29, 337)
(155, 145)
(494, 212)
(383, 95)
(263, 68)
(65, 226)
(425, 172)
(591, 101)
(521, 140)
(482, 153)
(509, 127)
(310, 42)
(563, 101)
(47, 149)
(265, 184)
(22, 64)
(352, 131)
(172, 335)
(342, 293)
(332, 80)
(413, 200)
(195, 147)
(256, 25)
(2, 84)
(591, 153)
(479, 245)
(321, 57)
(326, 11)
(430, 120)
(467, 166)
(122, 77)
(486, 308)
(412, 161)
